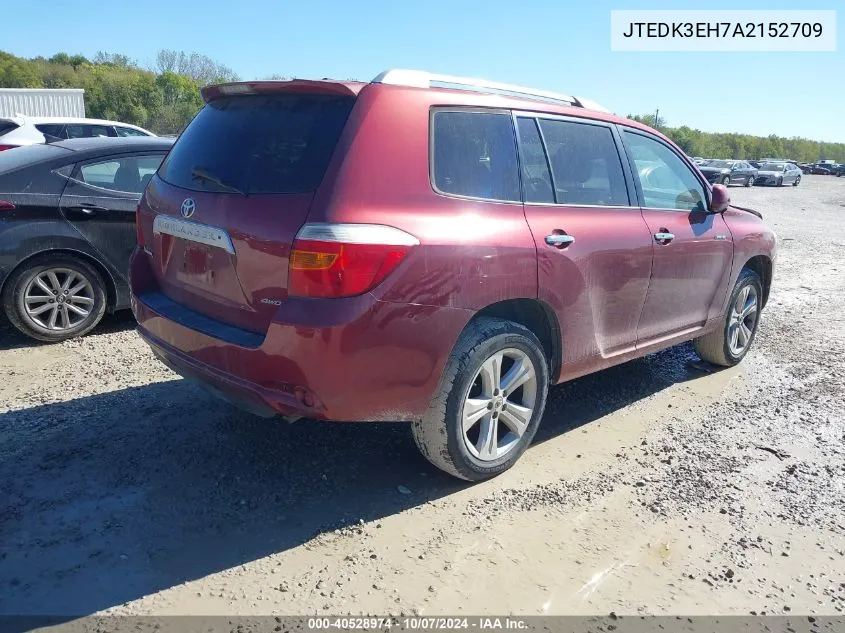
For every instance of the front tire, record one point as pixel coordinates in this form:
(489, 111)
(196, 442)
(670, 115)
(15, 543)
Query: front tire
(780, 182)
(728, 345)
(489, 403)
(55, 297)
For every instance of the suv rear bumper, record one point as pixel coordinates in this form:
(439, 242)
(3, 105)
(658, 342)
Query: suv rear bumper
(336, 359)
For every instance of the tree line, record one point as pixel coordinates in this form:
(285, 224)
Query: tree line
(164, 96)
(744, 146)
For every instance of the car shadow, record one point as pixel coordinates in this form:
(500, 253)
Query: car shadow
(115, 496)
(11, 338)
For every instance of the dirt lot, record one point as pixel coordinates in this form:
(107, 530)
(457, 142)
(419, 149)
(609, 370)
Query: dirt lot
(654, 487)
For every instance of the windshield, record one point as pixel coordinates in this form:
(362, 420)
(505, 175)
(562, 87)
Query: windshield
(279, 143)
(720, 164)
(772, 167)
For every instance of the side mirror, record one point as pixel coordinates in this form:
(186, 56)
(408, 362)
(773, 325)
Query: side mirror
(720, 199)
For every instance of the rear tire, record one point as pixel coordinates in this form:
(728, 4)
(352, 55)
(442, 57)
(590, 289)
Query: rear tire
(749, 181)
(719, 347)
(29, 305)
(726, 181)
(460, 449)
(797, 180)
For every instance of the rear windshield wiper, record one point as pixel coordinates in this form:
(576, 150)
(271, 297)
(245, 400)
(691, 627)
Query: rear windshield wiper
(202, 173)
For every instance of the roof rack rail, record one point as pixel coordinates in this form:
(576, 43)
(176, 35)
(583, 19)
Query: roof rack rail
(422, 79)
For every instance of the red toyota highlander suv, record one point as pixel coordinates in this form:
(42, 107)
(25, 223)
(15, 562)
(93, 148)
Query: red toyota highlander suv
(433, 249)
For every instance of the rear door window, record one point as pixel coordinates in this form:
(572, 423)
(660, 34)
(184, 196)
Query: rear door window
(279, 143)
(474, 155)
(127, 173)
(585, 163)
(85, 130)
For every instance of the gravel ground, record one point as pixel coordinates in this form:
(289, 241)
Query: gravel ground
(653, 487)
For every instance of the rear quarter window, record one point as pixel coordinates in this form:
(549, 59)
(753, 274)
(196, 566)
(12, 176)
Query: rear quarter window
(474, 155)
(279, 143)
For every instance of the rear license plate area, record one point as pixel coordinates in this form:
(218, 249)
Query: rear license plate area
(195, 260)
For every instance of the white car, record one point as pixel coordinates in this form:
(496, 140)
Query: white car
(30, 130)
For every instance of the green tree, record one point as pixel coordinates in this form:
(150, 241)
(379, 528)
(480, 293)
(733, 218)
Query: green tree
(18, 73)
(181, 100)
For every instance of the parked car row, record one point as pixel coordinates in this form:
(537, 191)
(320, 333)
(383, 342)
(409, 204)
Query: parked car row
(776, 171)
(823, 169)
(748, 173)
(302, 252)
(20, 131)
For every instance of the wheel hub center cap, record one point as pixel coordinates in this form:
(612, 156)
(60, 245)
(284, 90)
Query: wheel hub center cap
(498, 401)
(61, 299)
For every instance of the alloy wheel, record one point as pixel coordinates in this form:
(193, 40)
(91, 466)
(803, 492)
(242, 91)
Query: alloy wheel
(499, 404)
(58, 299)
(742, 320)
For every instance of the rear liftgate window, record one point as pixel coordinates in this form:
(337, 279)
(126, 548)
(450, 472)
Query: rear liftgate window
(279, 143)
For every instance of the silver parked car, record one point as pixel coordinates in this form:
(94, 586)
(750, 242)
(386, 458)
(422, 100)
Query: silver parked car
(778, 174)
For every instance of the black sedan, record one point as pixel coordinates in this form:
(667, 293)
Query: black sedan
(67, 229)
(729, 172)
(823, 170)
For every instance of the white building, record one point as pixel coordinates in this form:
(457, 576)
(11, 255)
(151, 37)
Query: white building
(62, 102)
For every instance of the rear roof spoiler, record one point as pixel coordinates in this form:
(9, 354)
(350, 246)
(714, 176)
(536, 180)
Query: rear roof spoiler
(340, 88)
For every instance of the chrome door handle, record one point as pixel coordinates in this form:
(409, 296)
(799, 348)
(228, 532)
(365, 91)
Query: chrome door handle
(559, 240)
(664, 237)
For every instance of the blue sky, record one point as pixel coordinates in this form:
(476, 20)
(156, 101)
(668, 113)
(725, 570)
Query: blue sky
(552, 44)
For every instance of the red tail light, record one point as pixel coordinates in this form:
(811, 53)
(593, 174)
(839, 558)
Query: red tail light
(343, 260)
(2, 147)
(5, 205)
